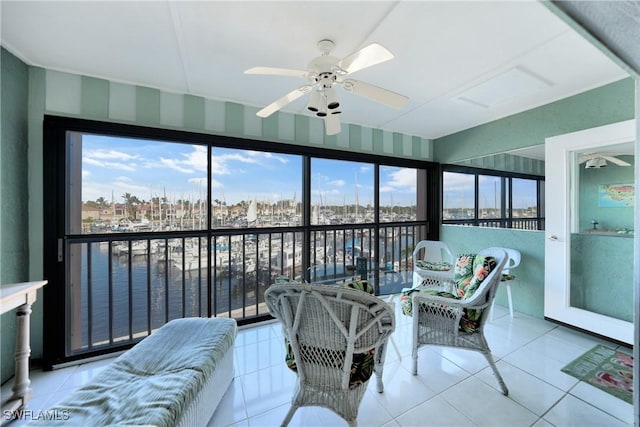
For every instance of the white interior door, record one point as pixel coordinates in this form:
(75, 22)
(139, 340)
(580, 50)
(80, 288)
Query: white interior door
(563, 219)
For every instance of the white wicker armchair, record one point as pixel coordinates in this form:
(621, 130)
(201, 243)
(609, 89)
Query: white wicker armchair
(436, 319)
(432, 253)
(327, 327)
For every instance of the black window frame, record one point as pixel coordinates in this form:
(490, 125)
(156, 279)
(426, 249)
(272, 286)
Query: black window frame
(506, 220)
(56, 237)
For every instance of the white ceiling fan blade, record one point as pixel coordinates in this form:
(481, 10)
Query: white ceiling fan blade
(281, 102)
(271, 71)
(332, 124)
(616, 160)
(375, 93)
(366, 57)
(583, 158)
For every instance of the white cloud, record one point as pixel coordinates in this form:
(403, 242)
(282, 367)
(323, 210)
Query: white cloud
(404, 177)
(459, 182)
(110, 165)
(108, 154)
(197, 159)
(175, 165)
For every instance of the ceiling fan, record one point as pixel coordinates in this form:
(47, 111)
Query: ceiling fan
(323, 74)
(599, 160)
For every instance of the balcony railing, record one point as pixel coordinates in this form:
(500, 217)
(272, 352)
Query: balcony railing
(517, 223)
(123, 286)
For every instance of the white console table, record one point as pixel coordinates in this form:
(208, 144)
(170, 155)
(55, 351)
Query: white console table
(20, 296)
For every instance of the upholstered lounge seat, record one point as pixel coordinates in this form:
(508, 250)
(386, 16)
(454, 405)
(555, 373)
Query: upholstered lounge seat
(174, 377)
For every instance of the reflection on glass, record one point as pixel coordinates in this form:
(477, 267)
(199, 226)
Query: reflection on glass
(602, 235)
(458, 191)
(341, 192)
(398, 194)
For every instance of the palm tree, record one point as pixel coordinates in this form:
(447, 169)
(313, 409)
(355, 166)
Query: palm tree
(131, 203)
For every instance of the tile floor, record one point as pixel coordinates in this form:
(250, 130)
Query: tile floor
(452, 388)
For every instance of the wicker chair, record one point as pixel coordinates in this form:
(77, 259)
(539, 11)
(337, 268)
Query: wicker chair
(327, 327)
(431, 253)
(436, 319)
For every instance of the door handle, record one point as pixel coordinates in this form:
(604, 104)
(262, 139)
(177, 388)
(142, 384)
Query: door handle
(553, 238)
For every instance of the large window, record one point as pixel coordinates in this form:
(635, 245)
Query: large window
(459, 196)
(341, 192)
(129, 185)
(398, 194)
(524, 193)
(492, 198)
(255, 188)
(133, 184)
(143, 226)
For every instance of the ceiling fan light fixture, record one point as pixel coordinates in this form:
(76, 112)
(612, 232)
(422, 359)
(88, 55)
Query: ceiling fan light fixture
(322, 106)
(597, 162)
(315, 101)
(332, 98)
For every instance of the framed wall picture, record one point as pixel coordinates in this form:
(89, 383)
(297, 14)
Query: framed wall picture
(616, 195)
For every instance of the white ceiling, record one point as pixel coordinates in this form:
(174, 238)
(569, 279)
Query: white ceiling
(442, 49)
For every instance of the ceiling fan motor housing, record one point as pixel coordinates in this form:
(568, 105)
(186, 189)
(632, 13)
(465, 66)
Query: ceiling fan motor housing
(323, 64)
(322, 73)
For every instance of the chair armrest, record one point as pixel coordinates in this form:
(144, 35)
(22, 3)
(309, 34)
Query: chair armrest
(450, 304)
(441, 280)
(476, 302)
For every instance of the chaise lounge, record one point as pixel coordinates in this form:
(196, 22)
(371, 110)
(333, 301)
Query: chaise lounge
(174, 377)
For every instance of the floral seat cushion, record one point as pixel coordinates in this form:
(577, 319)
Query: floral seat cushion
(362, 365)
(433, 266)
(469, 273)
(482, 266)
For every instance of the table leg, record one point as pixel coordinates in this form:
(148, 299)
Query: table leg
(21, 383)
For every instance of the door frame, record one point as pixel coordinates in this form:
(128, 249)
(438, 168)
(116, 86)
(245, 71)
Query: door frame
(559, 157)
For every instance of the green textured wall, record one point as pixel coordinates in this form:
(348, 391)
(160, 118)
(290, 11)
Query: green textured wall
(14, 250)
(13, 155)
(528, 288)
(602, 265)
(607, 104)
(602, 274)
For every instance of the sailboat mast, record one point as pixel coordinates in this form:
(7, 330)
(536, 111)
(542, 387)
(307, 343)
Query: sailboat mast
(356, 188)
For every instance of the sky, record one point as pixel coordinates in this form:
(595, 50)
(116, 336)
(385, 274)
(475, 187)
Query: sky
(113, 166)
